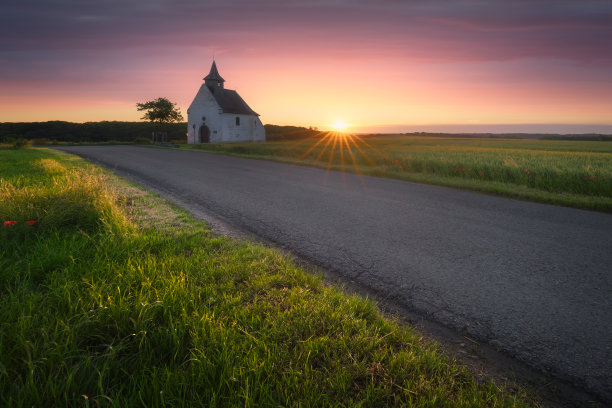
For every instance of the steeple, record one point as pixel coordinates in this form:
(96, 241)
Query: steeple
(213, 80)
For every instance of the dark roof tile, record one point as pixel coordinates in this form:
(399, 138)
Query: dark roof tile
(231, 102)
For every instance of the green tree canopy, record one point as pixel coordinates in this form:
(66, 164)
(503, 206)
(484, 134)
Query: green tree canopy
(161, 110)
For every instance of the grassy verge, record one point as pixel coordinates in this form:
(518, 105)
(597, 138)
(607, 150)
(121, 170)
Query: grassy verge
(570, 173)
(115, 298)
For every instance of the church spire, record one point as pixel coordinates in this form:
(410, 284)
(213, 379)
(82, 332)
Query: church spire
(213, 79)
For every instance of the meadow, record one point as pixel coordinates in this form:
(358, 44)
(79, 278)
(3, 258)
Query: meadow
(562, 172)
(110, 296)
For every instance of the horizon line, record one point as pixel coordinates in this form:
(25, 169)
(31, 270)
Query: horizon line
(456, 128)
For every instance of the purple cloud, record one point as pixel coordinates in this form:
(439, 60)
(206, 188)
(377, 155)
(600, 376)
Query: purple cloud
(429, 30)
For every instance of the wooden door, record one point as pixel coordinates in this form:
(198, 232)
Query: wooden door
(204, 134)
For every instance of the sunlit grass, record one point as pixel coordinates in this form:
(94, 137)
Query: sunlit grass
(572, 173)
(116, 298)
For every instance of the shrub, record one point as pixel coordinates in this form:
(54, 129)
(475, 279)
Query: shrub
(9, 138)
(142, 140)
(22, 143)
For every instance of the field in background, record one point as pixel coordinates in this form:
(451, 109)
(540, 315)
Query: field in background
(562, 172)
(113, 297)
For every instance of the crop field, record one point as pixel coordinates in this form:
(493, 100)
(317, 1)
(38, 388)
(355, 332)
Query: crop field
(570, 173)
(112, 297)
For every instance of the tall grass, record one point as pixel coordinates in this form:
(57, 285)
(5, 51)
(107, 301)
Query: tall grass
(573, 173)
(115, 298)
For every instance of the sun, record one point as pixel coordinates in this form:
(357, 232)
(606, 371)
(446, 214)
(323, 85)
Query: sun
(339, 125)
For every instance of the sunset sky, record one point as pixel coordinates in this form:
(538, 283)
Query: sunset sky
(385, 65)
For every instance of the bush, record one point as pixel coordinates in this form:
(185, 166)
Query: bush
(142, 140)
(22, 143)
(8, 138)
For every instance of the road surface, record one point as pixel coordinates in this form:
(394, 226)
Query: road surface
(533, 280)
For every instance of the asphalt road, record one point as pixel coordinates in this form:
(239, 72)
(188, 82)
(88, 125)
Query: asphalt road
(533, 280)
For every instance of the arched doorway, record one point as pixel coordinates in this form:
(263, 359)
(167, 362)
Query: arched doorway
(204, 134)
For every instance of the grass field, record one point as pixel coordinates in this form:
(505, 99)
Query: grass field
(571, 173)
(113, 297)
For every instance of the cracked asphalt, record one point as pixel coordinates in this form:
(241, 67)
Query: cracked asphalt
(533, 280)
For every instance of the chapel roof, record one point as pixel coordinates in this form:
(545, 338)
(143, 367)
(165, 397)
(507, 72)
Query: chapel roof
(231, 102)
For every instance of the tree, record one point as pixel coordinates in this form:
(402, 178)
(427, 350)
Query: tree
(160, 110)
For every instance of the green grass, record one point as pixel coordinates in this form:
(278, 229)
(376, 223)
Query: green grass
(570, 173)
(116, 298)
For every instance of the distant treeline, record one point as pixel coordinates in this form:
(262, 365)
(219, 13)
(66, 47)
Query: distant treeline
(274, 132)
(543, 136)
(121, 131)
(602, 138)
(45, 132)
(89, 131)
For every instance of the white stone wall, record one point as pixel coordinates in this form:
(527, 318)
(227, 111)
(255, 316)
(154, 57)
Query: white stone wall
(222, 126)
(249, 130)
(204, 105)
(259, 132)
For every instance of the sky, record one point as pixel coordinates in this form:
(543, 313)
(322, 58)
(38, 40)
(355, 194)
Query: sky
(380, 66)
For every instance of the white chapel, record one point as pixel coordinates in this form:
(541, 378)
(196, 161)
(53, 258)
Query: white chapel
(219, 115)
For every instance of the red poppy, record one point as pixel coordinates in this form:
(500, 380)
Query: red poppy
(481, 174)
(7, 223)
(31, 222)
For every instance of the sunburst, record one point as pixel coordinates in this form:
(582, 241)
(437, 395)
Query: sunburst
(339, 125)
